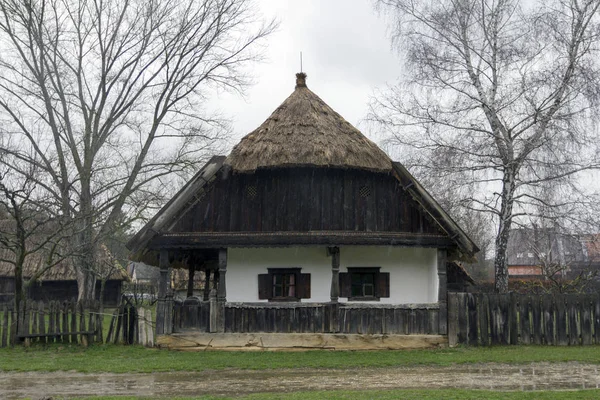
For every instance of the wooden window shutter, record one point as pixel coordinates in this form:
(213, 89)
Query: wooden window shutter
(303, 288)
(265, 287)
(383, 285)
(345, 284)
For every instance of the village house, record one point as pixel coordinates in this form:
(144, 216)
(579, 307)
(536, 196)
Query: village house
(306, 229)
(537, 254)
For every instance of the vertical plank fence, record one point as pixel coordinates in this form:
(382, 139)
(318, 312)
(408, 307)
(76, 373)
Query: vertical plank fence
(507, 319)
(53, 322)
(131, 325)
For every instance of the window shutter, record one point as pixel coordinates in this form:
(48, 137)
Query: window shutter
(383, 285)
(265, 287)
(303, 288)
(345, 284)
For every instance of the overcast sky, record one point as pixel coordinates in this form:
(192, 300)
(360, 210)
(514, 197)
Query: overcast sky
(346, 54)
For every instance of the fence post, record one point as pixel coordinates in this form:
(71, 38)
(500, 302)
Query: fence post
(452, 319)
(5, 326)
(42, 320)
(513, 321)
(141, 326)
(150, 331)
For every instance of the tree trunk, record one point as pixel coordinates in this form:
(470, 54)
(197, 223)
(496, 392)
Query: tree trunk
(506, 210)
(19, 293)
(86, 259)
(86, 284)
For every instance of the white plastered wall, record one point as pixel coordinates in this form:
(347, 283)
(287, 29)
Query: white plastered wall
(413, 271)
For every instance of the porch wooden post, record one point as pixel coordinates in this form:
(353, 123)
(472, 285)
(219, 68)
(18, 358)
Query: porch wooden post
(221, 291)
(213, 323)
(334, 325)
(442, 259)
(191, 273)
(335, 274)
(161, 309)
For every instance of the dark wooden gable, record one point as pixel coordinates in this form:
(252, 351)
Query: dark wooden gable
(306, 199)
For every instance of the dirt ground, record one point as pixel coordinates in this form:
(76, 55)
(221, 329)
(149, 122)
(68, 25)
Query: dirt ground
(535, 376)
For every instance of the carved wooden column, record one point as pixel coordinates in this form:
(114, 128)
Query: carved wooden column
(442, 259)
(335, 274)
(221, 291)
(161, 307)
(334, 325)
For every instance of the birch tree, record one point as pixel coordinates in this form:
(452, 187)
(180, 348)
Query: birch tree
(497, 98)
(108, 99)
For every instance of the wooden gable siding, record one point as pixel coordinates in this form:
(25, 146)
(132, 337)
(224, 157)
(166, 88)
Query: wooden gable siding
(305, 199)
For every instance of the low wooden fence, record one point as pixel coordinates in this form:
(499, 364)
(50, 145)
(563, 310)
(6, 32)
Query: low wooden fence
(311, 318)
(131, 325)
(489, 319)
(53, 322)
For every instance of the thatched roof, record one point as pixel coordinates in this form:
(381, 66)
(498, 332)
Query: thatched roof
(305, 131)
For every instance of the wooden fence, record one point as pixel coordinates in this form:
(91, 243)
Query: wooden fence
(131, 325)
(54, 322)
(488, 319)
(311, 318)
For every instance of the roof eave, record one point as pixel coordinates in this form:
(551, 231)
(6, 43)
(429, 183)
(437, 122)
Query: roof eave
(176, 205)
(465, 244)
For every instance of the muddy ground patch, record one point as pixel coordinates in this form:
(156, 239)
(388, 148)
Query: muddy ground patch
(490, 376)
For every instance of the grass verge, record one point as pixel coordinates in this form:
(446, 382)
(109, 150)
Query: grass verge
(121, 359)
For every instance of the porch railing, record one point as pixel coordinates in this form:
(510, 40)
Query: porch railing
(296, 317)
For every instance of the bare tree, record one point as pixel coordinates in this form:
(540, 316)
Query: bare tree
(108, 99)
(498, 101)
(28, 229)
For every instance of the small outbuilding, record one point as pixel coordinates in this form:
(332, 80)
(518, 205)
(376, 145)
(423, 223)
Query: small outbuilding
(57, 283)
(307, 228)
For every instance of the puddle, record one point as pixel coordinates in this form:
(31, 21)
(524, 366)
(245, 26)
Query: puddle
(537, 376)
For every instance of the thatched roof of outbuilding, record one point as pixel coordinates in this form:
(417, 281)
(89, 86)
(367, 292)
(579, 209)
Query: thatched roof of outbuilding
(64, 270)
(305, 131)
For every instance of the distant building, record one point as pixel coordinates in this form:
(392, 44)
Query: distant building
(538, 253)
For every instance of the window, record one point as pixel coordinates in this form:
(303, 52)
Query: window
(283, 284)
(365, 284)
(362, 284)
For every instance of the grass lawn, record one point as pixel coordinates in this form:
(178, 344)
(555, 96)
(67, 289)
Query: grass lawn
(448, 394)
(120, 359)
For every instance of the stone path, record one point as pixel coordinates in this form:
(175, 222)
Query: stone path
(536, 376)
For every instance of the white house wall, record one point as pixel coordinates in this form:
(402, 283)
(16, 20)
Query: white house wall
(413, 271)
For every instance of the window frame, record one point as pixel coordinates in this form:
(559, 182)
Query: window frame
(283, 272)
(266, 284)
(381, 283)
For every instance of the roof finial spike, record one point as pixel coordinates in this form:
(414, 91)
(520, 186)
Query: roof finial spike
(300, 76)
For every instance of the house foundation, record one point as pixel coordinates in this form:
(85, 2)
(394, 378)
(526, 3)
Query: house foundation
(197, 341)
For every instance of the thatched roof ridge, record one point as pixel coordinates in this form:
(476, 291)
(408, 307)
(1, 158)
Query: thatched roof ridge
(305, 131)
